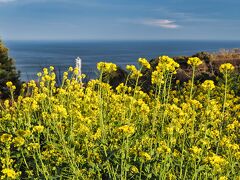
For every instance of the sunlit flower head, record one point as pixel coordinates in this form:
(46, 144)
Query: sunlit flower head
(194, 61)
(208, 85)
(106, 67)
(6, 138)
(227, 67)
(144, 63)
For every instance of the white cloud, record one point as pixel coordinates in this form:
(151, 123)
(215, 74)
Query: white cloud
(163, 23)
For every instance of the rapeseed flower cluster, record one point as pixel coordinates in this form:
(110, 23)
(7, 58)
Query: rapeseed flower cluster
(194, 61)
(6, 138)
(227, 67)
(208, 85)
(166, 66)
(106, 67)
(129, 130)
(9, 174)
(144, 62)
(93, 131)
(18, 141)
(135, 73)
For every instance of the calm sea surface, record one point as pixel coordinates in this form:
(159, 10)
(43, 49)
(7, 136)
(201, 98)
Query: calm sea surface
(32, 56)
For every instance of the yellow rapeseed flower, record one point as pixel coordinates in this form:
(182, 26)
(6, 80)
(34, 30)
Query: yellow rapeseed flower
(144, 63)
(51, 68)
(18, 141)
(195, 150)
(45, 71)
(208, 85)
(33, 146)
(134, 170)
(145, 155)
(106, 67)
(134, 72)
(6, 138)
(223, 178)
(60, 110)
(194, 61)
(163, 148)
(226, 67)
(217, 161)
(97, 135)
(127, 129)
(157, 78)
(167, 64)
(39, 74)
(38, 128)
(70, 69)
(75, 71)
(9, 173)
(9, 84)
(24, 133)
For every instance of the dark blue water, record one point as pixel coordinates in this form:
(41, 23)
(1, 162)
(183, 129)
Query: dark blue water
(32, 56)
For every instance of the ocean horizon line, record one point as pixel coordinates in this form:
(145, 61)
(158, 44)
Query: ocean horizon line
(121, 40)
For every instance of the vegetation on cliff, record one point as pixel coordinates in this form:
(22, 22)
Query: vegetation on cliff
(8, 72)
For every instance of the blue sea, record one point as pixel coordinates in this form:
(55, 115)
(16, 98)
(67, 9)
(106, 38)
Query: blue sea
(32, 56)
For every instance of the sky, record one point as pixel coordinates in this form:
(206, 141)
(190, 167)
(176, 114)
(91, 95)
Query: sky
(120, 19)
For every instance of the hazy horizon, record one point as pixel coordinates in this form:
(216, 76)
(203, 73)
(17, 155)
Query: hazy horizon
(116, 40)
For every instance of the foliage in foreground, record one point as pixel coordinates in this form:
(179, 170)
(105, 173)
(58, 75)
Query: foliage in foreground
(92, 131)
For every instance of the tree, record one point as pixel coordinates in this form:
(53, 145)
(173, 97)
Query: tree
(8, 72)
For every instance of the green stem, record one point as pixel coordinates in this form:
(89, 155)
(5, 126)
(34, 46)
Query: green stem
(225, 95)
(192, 83)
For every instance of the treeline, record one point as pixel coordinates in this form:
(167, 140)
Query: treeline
(8, 72)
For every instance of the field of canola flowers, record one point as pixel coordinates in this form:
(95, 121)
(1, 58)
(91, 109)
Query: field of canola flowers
(91, 131)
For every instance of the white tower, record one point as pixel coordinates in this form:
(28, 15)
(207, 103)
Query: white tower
(79, 66)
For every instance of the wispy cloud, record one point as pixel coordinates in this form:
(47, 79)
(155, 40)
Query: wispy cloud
(186, 16)
(163, 23)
